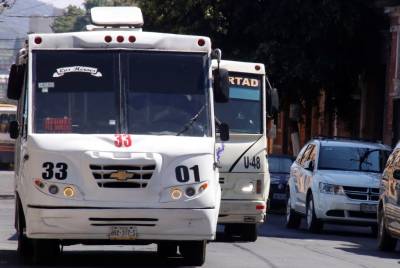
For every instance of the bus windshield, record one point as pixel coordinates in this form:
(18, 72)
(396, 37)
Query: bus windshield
(121, 91)
(243, 112)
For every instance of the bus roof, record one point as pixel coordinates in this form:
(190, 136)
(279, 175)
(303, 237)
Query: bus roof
(241, 66)
(120, 38)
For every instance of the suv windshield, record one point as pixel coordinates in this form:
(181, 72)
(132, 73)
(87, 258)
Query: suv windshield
(117, 91)
(352, 159)
(244, 110)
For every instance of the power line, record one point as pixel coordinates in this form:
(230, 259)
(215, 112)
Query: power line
(12, 39)
(34, 6)
(42, 16)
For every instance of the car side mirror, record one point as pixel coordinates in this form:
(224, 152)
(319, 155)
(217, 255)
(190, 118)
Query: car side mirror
(15, 81)
(309, 165)
(14, 129)
(396, 174)
(221, 85)
(273, 102)
(223, 131)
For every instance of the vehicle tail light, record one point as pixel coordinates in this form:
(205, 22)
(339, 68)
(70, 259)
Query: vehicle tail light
(260, 207)
(259, 187)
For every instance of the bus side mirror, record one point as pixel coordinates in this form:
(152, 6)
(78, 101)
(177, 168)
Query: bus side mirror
(15, 81)
(223, 131)
(14, 129)
(221, 85)
(273, 102)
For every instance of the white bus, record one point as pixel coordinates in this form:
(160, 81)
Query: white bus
(116, 139)
(7, 114)
(244, 176)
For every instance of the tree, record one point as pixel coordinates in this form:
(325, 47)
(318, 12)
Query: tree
(306, 45)
(76, 19)
(70, 21)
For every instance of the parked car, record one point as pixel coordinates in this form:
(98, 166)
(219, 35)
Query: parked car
(279, 169)
(337, 181)
(389, 203)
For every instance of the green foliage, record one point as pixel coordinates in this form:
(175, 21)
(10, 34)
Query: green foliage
(306, 45)
(69, 21)
(76, 19)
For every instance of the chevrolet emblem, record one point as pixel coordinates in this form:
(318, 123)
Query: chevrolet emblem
(121, 175)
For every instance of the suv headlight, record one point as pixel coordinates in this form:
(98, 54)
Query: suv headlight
(328, 188)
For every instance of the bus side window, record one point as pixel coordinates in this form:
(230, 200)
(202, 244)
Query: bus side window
(4, 120)
(24, 127)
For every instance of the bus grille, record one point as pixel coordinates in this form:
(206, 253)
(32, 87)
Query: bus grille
(122, 176)
(362, 193)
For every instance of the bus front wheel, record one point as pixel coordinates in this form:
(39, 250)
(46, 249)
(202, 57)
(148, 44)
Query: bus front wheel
(193, 252)
(45, 251)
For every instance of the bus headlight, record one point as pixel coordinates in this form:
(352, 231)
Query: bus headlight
(176, 193)
(183, 192)
(55, 189)
(69, 192)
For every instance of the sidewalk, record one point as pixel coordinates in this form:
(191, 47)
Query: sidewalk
(6, 184)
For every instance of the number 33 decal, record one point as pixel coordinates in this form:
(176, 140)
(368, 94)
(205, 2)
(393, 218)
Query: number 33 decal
(123, 140)
(60, 174)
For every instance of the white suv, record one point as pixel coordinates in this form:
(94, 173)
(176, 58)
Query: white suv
(335, 180)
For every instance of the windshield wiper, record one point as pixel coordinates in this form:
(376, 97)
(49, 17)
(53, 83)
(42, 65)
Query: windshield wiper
(187, 126)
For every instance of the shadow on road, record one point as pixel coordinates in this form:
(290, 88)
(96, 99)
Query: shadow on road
(98, 259)
(356, 239)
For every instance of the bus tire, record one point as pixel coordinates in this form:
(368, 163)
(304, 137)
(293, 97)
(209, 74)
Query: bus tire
(249, 232)
(167, 249)
(45, 251)
(24, 247)
(193, 252)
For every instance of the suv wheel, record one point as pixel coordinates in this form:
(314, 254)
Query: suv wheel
(313, 224)
(293, 219)
(385, 241)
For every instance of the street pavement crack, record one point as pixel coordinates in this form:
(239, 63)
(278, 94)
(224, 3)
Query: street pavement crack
(262, 258)
(319, 252)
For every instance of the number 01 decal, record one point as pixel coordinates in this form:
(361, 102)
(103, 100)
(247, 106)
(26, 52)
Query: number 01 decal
(183, 173)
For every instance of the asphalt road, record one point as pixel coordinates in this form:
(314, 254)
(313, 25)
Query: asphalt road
(337, 246)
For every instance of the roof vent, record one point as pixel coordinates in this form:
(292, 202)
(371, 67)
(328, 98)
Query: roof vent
(117, 17)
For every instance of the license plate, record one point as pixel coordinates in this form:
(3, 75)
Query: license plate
(279, 196)
(122, 233)
(369, 208)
